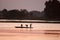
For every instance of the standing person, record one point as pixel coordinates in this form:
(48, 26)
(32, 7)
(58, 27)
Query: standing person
(30, 25)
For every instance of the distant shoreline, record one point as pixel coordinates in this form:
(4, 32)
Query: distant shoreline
(27, 21)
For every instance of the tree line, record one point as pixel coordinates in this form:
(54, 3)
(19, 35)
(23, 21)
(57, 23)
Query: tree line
(21, 14)
(52, 10)
(13, 14)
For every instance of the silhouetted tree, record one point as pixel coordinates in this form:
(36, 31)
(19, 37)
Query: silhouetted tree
(4, 13)
(24, 13)
(35, 15)
(14, 14)
(52, 10)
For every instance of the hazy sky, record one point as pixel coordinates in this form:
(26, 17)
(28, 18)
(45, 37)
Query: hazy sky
(23, 4)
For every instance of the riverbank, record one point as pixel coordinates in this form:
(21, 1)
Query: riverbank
(28, 21)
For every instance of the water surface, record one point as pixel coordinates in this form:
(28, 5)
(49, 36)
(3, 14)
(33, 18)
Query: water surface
(9, 32)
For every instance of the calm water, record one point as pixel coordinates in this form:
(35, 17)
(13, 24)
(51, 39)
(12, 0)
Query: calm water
(37, 26)
(9, 32)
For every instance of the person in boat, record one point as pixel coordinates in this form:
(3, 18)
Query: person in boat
(21, 25)
(26, 26)
(30, 25)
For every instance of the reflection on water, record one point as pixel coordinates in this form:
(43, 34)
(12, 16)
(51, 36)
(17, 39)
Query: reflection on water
(9, 32)
(19, 36)
(39, 26)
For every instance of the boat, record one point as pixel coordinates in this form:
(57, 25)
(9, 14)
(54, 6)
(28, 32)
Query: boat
(24, 26)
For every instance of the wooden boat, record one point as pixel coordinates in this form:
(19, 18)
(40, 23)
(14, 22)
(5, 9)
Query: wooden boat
(22, 27)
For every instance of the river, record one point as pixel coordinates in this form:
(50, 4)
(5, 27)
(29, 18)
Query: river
(9, 32)
(37, 26)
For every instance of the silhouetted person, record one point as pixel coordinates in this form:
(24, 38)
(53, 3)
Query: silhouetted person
(27, 26)
(21, 25)
(30, 25)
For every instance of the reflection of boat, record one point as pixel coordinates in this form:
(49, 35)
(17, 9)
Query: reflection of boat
(23, 26)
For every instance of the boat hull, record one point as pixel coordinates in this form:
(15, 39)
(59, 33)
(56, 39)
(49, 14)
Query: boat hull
(23, 27)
